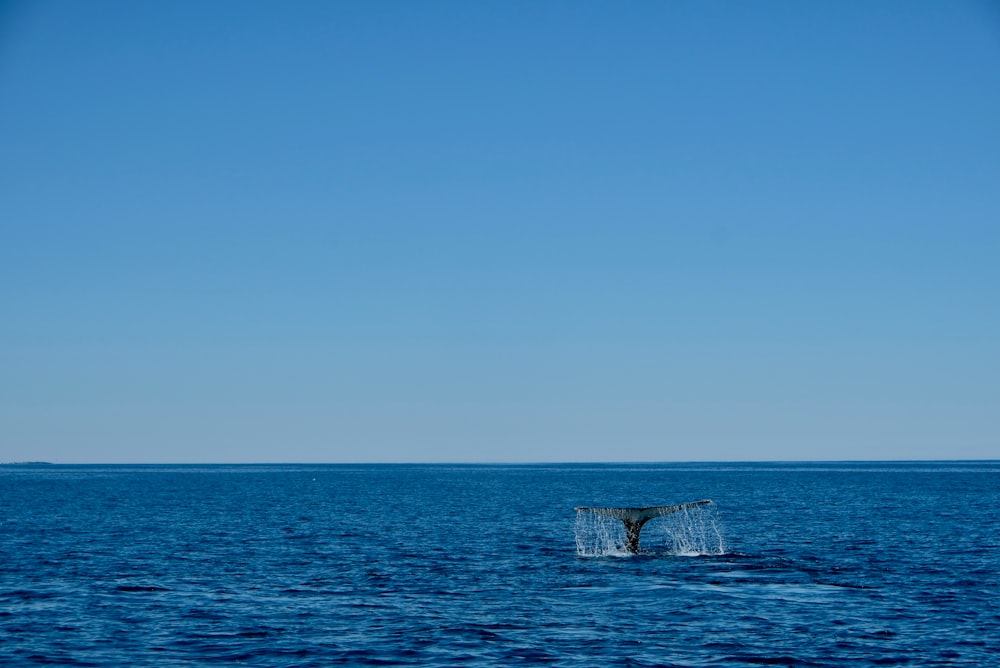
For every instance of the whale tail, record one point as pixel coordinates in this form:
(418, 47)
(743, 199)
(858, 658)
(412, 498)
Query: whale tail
(636, 518)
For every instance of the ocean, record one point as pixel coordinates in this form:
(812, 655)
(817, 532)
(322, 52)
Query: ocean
(794, 564)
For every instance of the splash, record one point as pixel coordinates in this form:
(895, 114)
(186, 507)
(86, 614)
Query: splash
(689, 532)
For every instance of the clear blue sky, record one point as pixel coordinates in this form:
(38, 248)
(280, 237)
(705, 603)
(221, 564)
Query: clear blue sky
(499, 231)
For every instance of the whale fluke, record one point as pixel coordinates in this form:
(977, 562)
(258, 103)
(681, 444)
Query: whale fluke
(635, 518)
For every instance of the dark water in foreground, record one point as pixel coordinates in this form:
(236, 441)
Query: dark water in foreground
(795, 564)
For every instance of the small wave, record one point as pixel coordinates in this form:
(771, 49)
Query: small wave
(28, 594)
(759, 660)
(139, 588)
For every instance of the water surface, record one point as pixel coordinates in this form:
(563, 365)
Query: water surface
(795, 564)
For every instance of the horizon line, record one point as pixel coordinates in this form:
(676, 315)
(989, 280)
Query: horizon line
(493, 463)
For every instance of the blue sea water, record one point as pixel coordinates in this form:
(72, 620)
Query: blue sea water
(819, 564)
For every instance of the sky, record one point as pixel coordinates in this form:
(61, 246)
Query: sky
(499, 231)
